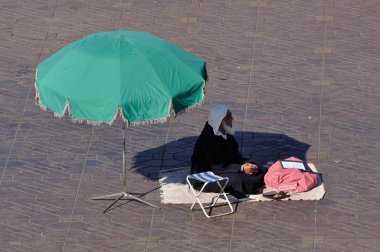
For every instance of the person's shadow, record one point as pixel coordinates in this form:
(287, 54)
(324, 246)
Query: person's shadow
(256, 146)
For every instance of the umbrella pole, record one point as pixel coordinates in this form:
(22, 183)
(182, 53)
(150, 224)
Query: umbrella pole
(124, 193)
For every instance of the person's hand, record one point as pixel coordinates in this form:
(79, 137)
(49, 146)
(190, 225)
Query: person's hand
(250, 169)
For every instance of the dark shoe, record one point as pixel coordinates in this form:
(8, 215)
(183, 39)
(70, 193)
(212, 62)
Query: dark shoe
(275, 195)
(280, 195)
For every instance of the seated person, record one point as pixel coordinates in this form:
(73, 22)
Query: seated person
(216, 150)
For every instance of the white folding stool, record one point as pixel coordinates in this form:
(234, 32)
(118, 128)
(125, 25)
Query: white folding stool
(206, 178)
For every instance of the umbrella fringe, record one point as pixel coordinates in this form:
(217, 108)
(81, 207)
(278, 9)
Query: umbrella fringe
(127, 123)
(171, 110)
(119, 111)
(38, 102)
(37, 99)
(154, 121)
(89, 122)
(195, 105)
(188, 108)
(121, 114)
(65, 109)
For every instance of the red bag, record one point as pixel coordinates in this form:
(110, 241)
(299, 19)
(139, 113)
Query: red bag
(290, 180)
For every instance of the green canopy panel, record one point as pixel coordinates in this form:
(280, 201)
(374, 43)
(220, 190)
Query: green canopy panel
(133, 74)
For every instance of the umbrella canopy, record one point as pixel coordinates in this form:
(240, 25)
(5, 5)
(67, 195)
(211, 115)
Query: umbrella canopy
(136, 74)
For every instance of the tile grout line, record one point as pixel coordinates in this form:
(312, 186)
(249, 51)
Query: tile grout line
(322, 84)
(79, 183)
(320, 115)
(121, 14)
(167, 135)
(251, 71)
(168, 131)
(246, 106)
(359, 123)
(77, 191)
(162, 161)
(27, 96)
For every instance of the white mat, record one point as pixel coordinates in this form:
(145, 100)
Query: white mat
(174, 190)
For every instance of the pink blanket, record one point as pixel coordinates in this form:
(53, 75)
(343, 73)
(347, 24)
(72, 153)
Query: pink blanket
(290, 180)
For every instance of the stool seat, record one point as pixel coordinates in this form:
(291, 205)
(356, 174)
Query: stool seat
(206, 177)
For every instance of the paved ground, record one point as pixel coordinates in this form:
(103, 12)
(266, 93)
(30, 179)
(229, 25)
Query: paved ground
(301, 77)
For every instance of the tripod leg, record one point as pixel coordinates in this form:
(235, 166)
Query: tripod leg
(139, 200)
(113, 203)
(107, 196)
(122, 194)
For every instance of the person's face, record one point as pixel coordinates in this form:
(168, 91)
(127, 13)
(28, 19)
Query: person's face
(228, 119)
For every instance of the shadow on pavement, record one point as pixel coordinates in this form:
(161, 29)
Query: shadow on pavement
(257, 146)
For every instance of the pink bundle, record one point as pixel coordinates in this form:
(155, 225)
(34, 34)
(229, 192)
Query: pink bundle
(290, 180)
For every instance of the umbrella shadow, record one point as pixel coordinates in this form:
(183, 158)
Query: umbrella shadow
(174, 158)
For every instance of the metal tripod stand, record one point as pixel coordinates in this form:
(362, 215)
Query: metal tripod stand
(123, 194)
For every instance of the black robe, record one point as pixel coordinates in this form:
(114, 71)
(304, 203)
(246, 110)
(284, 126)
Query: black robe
(222, 156)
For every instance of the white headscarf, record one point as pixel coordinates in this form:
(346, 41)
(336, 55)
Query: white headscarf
(216, 113)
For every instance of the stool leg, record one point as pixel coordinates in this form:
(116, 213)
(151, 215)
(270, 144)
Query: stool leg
(222, 192)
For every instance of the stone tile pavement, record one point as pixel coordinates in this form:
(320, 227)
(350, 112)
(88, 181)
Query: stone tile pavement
(301, 77)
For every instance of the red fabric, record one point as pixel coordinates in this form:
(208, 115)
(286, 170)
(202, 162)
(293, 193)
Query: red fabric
(290, 180)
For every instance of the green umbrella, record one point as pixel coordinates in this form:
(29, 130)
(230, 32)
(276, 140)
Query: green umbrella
(133, 74)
